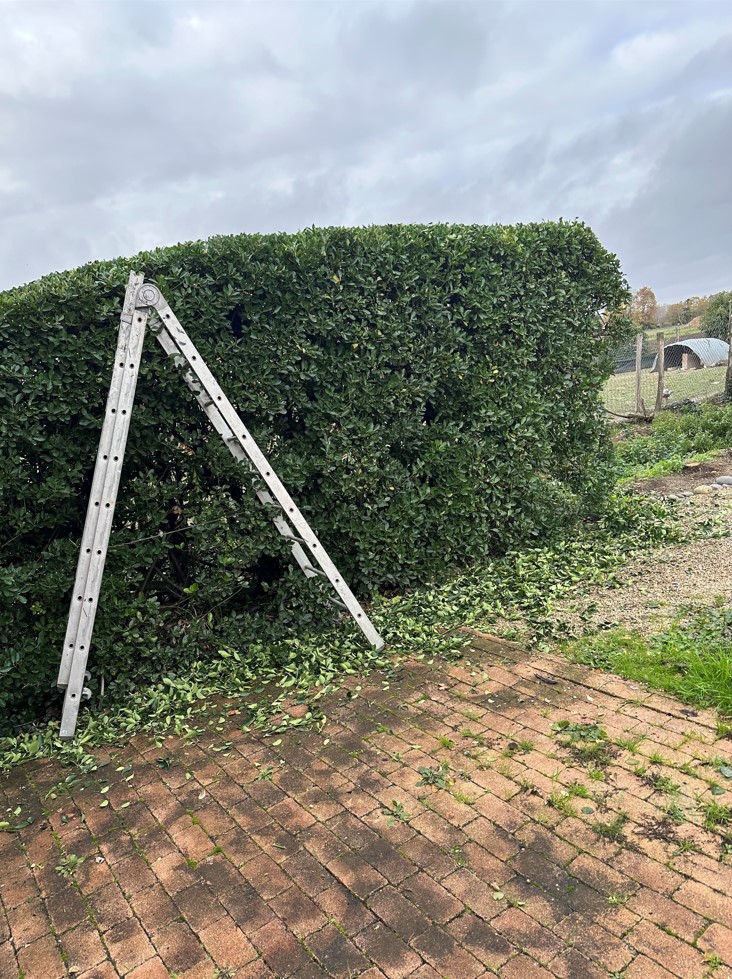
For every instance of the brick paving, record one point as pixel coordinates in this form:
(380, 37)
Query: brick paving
(440, 825)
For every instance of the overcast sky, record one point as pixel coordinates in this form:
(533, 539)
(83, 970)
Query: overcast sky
(126, 125)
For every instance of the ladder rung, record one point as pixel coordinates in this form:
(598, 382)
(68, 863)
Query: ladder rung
(336, 601)
(294, 539)
(318, 571)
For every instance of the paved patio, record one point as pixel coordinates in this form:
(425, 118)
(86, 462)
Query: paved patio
(441, 825)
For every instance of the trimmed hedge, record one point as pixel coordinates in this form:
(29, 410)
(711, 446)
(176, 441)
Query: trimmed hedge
(429, 394)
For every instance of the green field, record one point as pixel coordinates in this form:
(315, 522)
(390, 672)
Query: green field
(619, 393)
(669, 333)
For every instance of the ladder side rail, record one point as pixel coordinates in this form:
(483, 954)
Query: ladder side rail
(214, 416)
(88, 600)
(100, 472)
(293, 514)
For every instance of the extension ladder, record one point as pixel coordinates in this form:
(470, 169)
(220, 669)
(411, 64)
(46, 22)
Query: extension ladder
(143, 301)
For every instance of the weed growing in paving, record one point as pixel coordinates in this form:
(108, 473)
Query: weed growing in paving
(674, 813)
(713, 962)
(630, 744)
(562, 801)
(716, 815)
(612, 831)
(438, 777)
(587, 742)
(69, 864)
(662, 783)
(458, 856)
(396, 812)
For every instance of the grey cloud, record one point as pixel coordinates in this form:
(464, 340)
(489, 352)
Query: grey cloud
(169, 121)
(678, 228)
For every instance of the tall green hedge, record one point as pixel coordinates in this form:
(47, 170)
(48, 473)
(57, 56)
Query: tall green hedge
(429, 394)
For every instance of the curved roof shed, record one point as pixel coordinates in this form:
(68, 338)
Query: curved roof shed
(700, 352)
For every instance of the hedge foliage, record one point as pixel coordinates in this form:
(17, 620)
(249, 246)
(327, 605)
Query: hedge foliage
(429, 394)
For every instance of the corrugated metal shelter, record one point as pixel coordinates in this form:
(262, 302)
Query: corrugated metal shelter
(695, 353)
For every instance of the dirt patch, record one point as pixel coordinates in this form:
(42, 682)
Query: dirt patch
(693, 475)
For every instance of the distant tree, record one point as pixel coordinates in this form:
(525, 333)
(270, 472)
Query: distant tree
(674, 314)
(644, 306)
(716, 317)
(694, 306)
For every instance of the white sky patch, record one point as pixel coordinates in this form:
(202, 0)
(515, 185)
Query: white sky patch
(645, 51)
(9, 183)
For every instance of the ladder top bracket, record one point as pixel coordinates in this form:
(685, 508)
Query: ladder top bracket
(147, 295)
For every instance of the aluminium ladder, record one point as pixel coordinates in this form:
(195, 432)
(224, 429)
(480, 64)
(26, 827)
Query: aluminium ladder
(142, 302)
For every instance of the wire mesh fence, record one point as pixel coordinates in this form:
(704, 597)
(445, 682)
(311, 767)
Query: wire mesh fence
(633, 390)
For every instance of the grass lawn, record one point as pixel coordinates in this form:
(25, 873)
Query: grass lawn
(619, 393)
(690, 660)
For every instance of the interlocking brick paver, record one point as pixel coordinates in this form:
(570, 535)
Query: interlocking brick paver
(523, 932)
(83, 947)
(28, 922)
(8, 963)
(344, 864)
(337, 954)
(41, 958)
(67, 909)
(389, 952)
(134, 874)
(255, 970)
(704, 901)
(667, 914)
(265, 876)
(645, 968)
(676, 956)
(152, 969)
(442, 952)
(227, 944)
(301, 915)
(433, 900)
(571, 964)
(481, 939)
(103, 971)
(199, 908)
(128, 945)
(398, 913)
(650, 873)
(717, 940)
(178, 947)
(247, 908)
(358, 876)
(153, 906)
(280, 949)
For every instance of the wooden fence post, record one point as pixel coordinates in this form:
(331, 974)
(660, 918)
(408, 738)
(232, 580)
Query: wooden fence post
(728, 379)
(660, 364)
(639, 409)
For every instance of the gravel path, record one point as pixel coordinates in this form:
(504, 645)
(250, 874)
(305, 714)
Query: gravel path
(656, 585)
